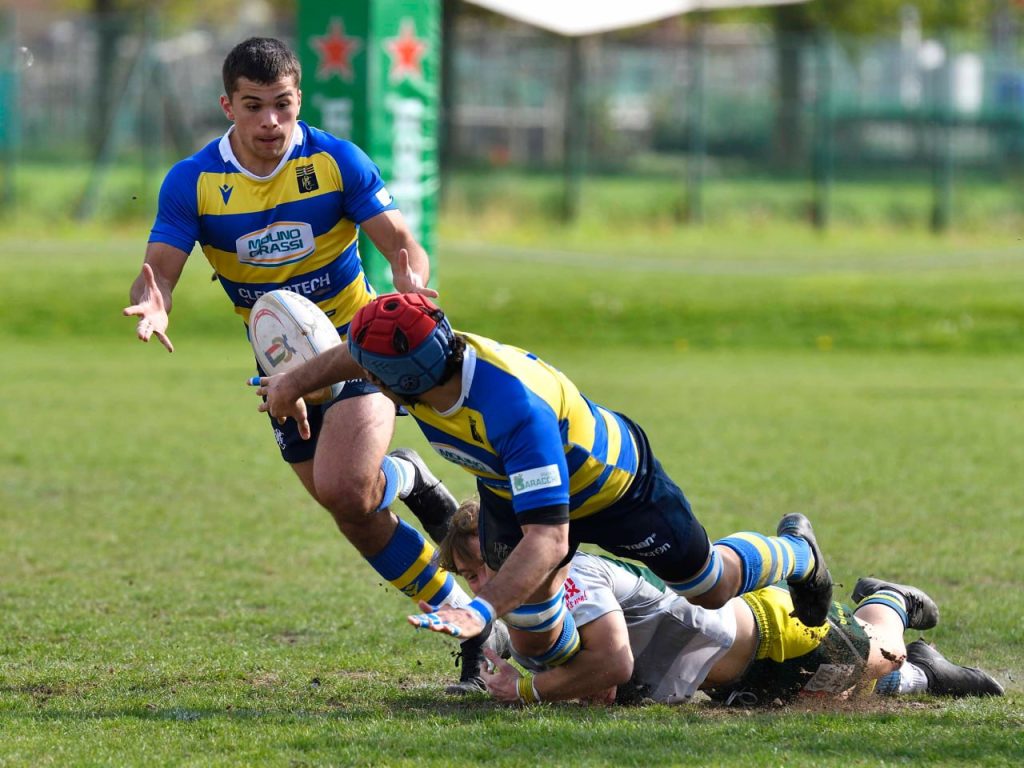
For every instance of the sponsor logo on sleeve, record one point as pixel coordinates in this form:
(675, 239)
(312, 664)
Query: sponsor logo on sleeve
(283, 242)
(535, 479)
(574, 594)
(384, 197)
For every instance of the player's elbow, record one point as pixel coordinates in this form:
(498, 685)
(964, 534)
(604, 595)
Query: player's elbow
(620, 668)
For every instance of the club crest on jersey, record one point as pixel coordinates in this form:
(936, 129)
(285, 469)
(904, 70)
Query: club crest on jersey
(283, 242)
(305, 175)
(279, 351)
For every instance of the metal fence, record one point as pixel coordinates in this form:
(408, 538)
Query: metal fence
(694, 106)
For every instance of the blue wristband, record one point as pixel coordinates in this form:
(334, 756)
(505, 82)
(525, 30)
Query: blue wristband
(484, 610)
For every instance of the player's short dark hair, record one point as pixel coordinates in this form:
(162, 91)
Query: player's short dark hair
(453, 366)
(263, 60)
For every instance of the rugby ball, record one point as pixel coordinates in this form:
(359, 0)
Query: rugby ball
(286, 330)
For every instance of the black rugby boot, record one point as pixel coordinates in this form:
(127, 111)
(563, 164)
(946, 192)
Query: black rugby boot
(471, 655)
(429, 500)
(812, 596)
(948, 679)
(922, 612)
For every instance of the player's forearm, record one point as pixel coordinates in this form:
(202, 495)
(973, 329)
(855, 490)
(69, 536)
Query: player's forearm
(586, 675)
(528, 567)
(605, 660)
(326, 369)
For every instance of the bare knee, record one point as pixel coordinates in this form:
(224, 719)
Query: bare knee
(349, 502)
(716, 597)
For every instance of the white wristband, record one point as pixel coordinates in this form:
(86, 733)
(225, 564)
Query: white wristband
(483, 610)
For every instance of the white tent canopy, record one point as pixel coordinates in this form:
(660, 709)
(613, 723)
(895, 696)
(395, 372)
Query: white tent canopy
(574, 18)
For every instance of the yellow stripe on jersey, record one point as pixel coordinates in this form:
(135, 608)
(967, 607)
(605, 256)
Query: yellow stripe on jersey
(327, 248)
(344, 305)
(513, 376)
(267, 194)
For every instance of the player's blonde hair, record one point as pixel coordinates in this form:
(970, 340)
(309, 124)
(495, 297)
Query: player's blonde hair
(463, 537)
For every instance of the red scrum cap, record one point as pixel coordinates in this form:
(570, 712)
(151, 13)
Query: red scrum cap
(404, 340)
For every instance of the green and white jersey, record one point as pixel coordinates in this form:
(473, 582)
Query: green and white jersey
(674, 643)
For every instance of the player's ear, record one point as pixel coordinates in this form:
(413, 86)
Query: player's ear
(225, 104)
(298, 100)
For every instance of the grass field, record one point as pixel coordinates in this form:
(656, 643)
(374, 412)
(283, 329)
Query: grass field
(169, 596)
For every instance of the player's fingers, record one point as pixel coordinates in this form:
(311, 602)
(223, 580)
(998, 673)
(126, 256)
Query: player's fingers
(304, 431)
(424, 620)
(134, 309)
(430, 293)
(165, 340)
(262, 407)
(491, 665)
(495, 662)
(434, 623)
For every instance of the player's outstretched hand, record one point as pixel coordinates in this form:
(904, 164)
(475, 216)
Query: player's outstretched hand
(500, 677)
(457, 622)
(407, 281)
(279, 403)
(151, 311)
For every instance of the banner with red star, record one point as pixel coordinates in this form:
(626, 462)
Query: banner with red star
(406, 51)
(335, 50)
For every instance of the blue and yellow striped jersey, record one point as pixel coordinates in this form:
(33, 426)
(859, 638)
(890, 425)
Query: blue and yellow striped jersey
(529, 435)
(296, 228)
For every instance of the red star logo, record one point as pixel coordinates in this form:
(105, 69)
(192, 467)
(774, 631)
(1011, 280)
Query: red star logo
(571, 590)
(335, 50)
(406, 52)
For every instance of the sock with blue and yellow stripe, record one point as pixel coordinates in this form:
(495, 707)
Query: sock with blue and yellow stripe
(407, 561)
(890, 599)
(770, 559)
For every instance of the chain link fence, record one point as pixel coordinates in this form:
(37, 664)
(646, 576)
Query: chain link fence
(686, 122)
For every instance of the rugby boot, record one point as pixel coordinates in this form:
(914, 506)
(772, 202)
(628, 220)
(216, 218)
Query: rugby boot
(471, 655)
(948, 679)
(812, 596)
(922, 612)
(429, 500)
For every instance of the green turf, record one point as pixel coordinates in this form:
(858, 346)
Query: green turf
(168, 596)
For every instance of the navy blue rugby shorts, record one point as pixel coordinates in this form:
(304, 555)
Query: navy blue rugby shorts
(652, 523)
(293, 448)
